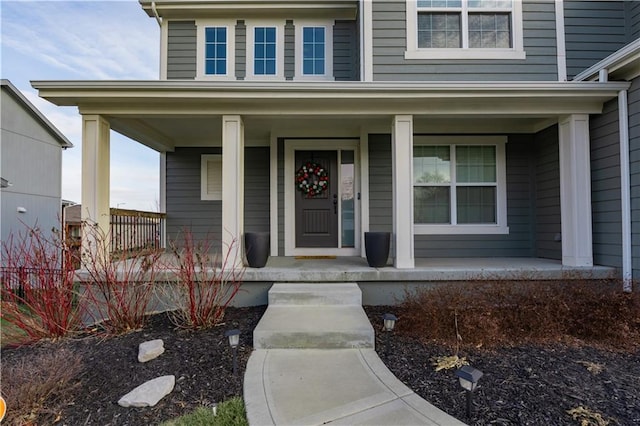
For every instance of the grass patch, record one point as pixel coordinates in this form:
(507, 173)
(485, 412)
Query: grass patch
(228, 413)
(513, 312)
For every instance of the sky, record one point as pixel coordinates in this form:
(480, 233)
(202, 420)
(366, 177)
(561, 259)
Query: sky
(85, 40)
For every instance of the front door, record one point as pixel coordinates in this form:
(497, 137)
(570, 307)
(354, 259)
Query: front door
(316, 199)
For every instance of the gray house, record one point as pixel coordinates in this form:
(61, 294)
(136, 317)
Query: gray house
(31, 155)
(477, 132)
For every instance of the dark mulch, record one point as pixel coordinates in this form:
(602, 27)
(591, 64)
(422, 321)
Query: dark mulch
(524, 385)
(200, 360)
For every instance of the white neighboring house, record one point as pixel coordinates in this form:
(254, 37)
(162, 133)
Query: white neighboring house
(31, 165)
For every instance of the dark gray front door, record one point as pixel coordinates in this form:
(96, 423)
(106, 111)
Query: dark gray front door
(317, 215)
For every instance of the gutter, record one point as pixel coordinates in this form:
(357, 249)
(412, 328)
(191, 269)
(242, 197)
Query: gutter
(625, 192)
(155, 14)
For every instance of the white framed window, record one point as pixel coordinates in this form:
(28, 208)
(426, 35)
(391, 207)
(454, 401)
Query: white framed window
(459, 185)
(215, 52)
(314, 50)
(265, 50)
(211, 177)
(464, 29)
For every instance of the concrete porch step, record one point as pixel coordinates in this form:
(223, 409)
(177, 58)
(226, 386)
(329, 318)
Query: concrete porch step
(287, 294)
(314, 316)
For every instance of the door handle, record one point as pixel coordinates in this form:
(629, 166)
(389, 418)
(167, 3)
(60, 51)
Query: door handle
(335, 203)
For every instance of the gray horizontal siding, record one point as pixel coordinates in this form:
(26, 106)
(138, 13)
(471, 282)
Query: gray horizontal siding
(605, 186)
(547, 196)
(256, 189)
(241, 50)
(389, 45)
(185, 209)
(593, 31)
(181, 50)
(519, 241)
(346, 51)
(380, 188)
(289, 50)
(634, 154)
(633, 16)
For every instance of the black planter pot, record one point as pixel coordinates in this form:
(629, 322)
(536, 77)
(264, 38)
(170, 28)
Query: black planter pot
(257, 246)
(376, 245)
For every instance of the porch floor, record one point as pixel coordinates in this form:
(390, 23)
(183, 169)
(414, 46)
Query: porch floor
(356, 269)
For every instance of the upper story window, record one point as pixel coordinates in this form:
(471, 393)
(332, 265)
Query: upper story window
(215, 50)
(265, 51)
(314, 50)
(459, 185)
(464, 29)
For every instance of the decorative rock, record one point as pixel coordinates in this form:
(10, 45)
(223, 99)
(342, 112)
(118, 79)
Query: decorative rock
(150, 393)
(150, 350)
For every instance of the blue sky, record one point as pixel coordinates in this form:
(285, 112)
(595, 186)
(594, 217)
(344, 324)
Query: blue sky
(85, 40)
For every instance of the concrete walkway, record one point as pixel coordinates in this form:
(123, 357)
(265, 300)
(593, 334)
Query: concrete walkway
(309, 369)
(337, 386)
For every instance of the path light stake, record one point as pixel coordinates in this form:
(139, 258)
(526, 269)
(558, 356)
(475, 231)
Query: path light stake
(234, 340)
(389, 324)
(468, 377)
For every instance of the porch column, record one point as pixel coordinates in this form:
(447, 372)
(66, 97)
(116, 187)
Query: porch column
(402, 160)
(95, 179)
(575, 191)
(232, 187)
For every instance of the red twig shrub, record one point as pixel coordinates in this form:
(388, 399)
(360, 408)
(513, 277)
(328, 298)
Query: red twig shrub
(121, 285)
(35, 387)
(492, 313)
(38, 293)
(206, 282)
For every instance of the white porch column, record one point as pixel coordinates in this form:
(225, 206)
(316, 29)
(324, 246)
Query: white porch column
(575, 191)
(95, 172)
(402, 160)
(232, 187)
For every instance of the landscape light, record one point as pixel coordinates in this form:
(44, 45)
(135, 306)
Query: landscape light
(468, 378)
(234, 341)
(389, 321)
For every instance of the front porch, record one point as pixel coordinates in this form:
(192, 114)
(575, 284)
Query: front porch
(384, 286)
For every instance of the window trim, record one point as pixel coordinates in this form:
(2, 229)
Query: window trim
(204, 177)
(300, 24)
(500, 227)
(201, 24)
(414, 52)
(251, 26)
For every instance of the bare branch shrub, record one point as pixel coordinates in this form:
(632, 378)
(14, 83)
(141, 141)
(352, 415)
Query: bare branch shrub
(206, 282)
(499, 312)
(39, 299)
(121, 284)
(35, 387)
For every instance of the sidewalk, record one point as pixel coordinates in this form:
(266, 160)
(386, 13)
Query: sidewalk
(335, 386)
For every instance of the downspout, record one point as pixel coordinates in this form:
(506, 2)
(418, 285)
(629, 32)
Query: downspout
(155, 14)
(625, 191)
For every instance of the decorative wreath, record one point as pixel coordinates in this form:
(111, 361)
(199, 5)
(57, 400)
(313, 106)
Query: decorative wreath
(312, 179)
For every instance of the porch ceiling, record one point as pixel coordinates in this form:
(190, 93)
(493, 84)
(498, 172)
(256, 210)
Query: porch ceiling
(168, 114)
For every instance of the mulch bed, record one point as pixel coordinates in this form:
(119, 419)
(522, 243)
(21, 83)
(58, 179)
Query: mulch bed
(524, 385)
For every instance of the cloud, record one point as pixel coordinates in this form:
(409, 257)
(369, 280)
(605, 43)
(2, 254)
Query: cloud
(84, 40)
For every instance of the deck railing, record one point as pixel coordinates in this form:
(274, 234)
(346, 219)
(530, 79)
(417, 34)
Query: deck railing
(133, 230)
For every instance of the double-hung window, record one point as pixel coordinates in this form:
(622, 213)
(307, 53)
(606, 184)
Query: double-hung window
(464, 29)
(265, 51)
(314, 50)
(459, 185)
(215, 50)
